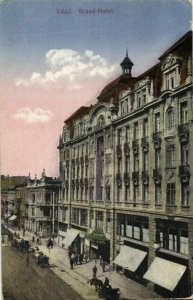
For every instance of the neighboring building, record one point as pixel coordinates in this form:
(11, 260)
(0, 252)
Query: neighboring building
(126, 168)
(42, 200)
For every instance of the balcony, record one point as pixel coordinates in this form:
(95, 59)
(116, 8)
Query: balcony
(135, 177)
(86, 159)
(82, 161)
(81, 183)
(126, 149)
(73, 183)
(184, 172)
(119, 151)
(156, 137)
(86, 182)
(157, 176)
(126, 178)
(77, 183)
(145, 144)
(135, 146)
(145, 177)
(183, 132)
(119, 179)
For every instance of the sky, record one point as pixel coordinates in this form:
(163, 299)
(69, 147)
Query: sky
(56, 57)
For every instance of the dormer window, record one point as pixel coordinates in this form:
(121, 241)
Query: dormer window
(171, 72)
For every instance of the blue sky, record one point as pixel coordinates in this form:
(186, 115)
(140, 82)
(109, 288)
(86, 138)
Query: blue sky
(31, 28)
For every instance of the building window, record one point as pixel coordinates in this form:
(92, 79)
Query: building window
(171, 193)
(127, 134)
(136, 193)
(91, 193)
(185, 194)
(158, 194)
(157, 122)
(172, 235)
(127, 192)
(157, 158)
(136, 163)
(83, 217)
(170, 156)
(170, 118)
(184, 154)
(145, 128)
(170, 80)
(135, 227)
(136, 131)
(145, 193)
(183, 113)
(99, 219)
(108, 193)
(119, 137)
(145, 161)
(108, 222)
(118, 193)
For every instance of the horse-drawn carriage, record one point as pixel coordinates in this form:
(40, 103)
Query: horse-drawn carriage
(105, 291)
(41, 259)
(20, 244)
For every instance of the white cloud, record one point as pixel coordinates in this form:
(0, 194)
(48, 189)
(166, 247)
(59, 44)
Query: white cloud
(38, 115)
(68, 64)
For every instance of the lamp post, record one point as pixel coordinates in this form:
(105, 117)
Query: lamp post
(53, 215)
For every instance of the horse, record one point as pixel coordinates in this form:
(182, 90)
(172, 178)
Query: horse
(96, 282)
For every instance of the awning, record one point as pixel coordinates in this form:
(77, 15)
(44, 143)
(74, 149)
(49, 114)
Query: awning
(70, 237)
(12, 218)
(130, 258)
(97, 237)
(165, 273)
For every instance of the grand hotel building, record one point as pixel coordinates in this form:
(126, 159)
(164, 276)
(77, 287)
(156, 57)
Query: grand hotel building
(126, 166)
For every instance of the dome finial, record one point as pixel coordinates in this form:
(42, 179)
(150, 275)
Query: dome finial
(127, 65)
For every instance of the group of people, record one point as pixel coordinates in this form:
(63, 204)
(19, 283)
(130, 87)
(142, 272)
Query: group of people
(77, 258)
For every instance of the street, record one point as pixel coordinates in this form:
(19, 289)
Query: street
(22, 282)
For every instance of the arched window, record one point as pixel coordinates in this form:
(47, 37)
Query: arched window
(101, 122)
(170, 118)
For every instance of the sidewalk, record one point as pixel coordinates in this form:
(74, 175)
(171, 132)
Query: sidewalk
(79, 276)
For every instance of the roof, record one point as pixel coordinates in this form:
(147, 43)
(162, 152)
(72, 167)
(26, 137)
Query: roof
(185, 37)
(77, 112)
(124, 78)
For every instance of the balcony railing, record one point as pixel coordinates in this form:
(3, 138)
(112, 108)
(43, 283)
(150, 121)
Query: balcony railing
(126, 178)
(135, 145)
(183, 129)
(156, 137)
(145, 176)
(119, 179)
(135, 176)
(145, 143)
(119, 151)
(184, 172)
(157, 175)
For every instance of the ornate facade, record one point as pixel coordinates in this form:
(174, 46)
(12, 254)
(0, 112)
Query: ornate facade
(126, 166)
(42, 200)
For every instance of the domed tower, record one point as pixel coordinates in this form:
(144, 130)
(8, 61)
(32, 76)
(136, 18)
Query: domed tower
(127, 65)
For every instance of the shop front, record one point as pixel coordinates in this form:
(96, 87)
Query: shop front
(98, 245)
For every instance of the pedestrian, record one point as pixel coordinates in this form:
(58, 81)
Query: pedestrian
(38, 241)
(106, 283)
(27, 260)
(94, 271)
(71, 262)
(103, 265)
(101, 259)
(24, 232)
(80, 258)
(33, 239)
(86, 257)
